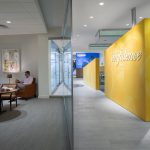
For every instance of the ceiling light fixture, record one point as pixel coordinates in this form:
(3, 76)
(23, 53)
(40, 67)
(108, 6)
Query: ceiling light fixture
(8, 21)
(85, 25)
(101, 3)
(91, 17)
(127, 24)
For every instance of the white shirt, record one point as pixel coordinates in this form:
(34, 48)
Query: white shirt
(28, 80)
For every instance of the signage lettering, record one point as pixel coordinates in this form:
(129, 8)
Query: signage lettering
(126, 56)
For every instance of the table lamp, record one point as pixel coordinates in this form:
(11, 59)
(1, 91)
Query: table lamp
(9, 76)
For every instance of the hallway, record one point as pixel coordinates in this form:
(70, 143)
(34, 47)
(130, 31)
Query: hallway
(100, 124)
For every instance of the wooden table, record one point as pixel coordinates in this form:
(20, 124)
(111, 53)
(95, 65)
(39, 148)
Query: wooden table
(9, 92)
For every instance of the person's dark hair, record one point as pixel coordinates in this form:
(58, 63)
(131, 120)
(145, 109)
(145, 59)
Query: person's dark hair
(27, 72)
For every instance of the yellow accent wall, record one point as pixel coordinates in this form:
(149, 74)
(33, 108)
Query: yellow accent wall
(127, 70)
(91, 74)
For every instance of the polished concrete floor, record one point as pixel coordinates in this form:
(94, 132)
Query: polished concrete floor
(100, 124)
(36, 124)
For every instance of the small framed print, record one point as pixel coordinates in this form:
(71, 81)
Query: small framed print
(11, 60)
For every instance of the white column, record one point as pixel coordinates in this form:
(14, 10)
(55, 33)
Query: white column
(43, 70)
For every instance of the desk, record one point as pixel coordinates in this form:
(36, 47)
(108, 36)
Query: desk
(9, 92)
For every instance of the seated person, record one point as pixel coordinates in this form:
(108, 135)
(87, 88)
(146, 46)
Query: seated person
(27, 81)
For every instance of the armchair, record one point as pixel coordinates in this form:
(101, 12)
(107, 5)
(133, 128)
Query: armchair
(28, 92)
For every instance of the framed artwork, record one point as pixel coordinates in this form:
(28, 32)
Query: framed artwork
(11, 60)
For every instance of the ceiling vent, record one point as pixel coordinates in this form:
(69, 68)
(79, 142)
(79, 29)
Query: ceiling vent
(2, 26)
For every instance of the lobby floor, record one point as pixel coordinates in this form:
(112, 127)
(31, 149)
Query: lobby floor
(36, 124)
(100, 124)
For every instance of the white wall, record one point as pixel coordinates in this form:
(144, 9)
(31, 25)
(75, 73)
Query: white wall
(43, 72)
(34, 57)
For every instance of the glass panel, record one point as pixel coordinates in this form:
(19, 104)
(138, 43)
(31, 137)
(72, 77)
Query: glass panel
(61, 73)
(61, 81)
(57, 69)
(68, 73)
(67, 69)
(53, 71)
(68, 100)
(55, 66)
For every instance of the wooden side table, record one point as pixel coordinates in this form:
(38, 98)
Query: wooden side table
(6, 94)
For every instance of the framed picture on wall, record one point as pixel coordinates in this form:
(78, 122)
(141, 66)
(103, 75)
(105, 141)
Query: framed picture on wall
(11, 60)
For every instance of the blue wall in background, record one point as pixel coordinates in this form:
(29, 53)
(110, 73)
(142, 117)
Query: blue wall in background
(82, 59)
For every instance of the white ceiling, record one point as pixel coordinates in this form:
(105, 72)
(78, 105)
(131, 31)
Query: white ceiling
(25, 16)
(53, 11)
(114, 14)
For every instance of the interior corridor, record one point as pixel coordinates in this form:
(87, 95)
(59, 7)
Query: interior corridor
(100, 124)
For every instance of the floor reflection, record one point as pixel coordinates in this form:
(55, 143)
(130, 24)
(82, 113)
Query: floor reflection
(62, 90)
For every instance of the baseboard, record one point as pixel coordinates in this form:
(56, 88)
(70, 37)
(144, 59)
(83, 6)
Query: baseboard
(43, 96)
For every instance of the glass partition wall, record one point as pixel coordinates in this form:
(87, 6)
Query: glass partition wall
(68, 99)
(67, 66)
(61, 81)
(55, 66)
(61, 72)
(60, 61)
(68, 73)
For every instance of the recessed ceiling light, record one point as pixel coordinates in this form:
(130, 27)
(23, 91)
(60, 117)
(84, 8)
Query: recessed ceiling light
(85, 25)
(127, 24)
(140, 17)
(101, 3)
(91, 17)
(8, 21)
